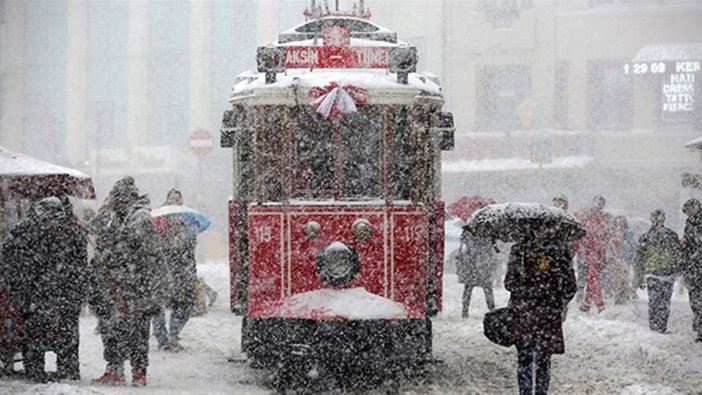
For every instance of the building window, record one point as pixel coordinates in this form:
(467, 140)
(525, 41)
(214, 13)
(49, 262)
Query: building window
(610, 95)
(501, 13)
(504, 97)
(560, 95)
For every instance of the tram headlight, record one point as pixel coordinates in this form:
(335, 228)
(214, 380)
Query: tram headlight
(361, 229)
(338, 264)
(312, 229)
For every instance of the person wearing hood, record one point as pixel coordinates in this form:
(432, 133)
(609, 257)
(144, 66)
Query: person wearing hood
(46, 270)
(656, 263)
(541, 282)
(692, 261)
(129, 287)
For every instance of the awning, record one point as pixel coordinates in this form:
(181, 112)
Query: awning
(669, 52)
(27, 177)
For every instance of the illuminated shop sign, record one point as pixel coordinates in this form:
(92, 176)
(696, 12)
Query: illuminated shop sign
(678, 82)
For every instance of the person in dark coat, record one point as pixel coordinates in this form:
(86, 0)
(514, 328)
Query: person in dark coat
(129, 286)
(178, 241)
(541, 281)
(657, 260)
(475, 264)
(692, 261)
(46, 258)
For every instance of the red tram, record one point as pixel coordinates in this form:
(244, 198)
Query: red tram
(336, 220)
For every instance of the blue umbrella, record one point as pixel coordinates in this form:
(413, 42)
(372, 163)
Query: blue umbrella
(195, 219)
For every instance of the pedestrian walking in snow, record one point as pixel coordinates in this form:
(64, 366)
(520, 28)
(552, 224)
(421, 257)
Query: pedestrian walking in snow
(656, 264)
(46, 270)
(129, 287)
(541, 281)
(178, 242)
(622, 252)
(692, 261)
(475, 264)
(594, 250)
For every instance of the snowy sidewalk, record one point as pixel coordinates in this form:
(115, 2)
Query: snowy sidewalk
(608, 353)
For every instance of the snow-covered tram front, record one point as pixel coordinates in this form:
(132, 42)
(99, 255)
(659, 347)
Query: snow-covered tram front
(336, 221)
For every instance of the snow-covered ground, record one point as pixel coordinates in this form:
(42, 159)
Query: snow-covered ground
(609, 353)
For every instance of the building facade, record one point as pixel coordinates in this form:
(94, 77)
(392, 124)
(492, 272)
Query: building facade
(548, 96)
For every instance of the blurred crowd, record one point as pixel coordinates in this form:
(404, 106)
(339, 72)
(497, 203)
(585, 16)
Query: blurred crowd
(546, 270)
(127, 266)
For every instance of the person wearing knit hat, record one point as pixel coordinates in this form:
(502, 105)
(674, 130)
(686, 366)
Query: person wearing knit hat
(44, 265)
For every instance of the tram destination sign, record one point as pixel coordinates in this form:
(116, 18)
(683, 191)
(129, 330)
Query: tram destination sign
(342, 57)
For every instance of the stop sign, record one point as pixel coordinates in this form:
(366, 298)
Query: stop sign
(201, 142)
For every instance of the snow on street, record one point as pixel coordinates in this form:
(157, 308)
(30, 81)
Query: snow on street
(609, 353)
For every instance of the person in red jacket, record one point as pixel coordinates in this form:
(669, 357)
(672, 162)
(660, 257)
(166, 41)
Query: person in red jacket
(594, 249)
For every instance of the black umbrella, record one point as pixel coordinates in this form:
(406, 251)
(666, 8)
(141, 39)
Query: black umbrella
(515, 221)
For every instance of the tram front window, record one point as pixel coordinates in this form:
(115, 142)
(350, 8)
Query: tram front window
(360, 155)
(314, 170)
(341, 157)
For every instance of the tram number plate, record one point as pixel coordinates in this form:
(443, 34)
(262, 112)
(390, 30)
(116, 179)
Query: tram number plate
(264, 234)
(412, 233)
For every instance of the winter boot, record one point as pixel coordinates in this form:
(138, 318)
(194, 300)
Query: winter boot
(139, 378)
(173, 346)
(109, 378)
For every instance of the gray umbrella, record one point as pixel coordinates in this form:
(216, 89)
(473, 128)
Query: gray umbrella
(511, 222)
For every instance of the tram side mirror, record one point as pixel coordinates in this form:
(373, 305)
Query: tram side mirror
(232, 121)
(442, 127)
(270, 60)
(402, 60)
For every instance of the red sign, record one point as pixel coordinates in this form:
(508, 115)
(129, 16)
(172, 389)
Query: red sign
(201, 142)
(336, 53)
(300, 57)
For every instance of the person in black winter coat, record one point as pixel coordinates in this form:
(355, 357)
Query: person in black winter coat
(692, 261)
(541, 281)
(46, 258)
(178, 242)
(129, 285)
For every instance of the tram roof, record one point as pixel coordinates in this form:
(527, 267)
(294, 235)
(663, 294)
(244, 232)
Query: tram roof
(310, 64)
(358, 28)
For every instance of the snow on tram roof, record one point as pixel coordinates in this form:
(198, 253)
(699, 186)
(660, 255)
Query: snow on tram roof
(355, 42)
(371, 79)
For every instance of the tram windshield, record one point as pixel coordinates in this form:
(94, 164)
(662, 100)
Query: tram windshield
(344, 156)
(364, 156)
